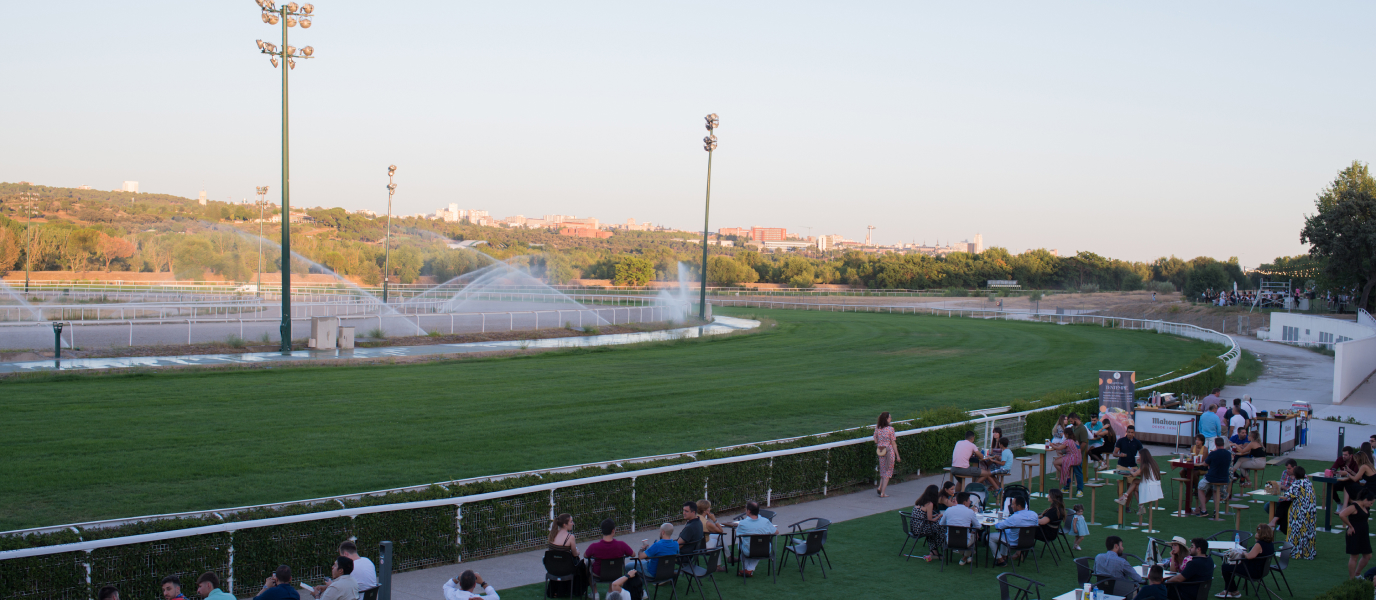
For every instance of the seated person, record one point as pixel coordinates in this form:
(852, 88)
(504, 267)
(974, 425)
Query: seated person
(607, 548)
(625, 588)
(752, 524)
(690, 538)
(1251, 561)
(960, 459)
(467, 585)
(1021, 517)
(963, 515)
(1155, 588)
(1107, 441)
(947, 499)
(1198, 570)
(1112, 564)
(664, 546)
(1002, 464)
(1219, 461)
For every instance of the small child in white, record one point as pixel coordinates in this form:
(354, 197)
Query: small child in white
(1076, 524)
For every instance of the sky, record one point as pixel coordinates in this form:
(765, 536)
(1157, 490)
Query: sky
(1133, 130)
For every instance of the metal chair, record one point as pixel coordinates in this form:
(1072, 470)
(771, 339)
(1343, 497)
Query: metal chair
(1282, 563)
(958, 539)
(907, 518)
(1115, 586)
(819, 524)
(1027, 542)
(610, 569)
(666, 571)
(761, 548)
(370, 594)
(1246, 577)
(1084, 569)
(1058, 537)
(1031, 590)
(696, 572)
(810, 547)
(1202, 587)
(559, 566)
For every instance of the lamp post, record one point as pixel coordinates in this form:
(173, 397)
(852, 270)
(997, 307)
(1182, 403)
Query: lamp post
(709, 144)
(289, 15)
(387, 245)
(28, 235)
(262, 203)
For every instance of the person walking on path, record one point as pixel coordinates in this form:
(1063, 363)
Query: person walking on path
(886, 446)
(1303, 516)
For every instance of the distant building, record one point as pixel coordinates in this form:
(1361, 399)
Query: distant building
(768, 234)
(977, 245)
(83, 187)
(736, 231)
(130, 186)
(823, 243)
(589, 222)
(365, 212)
(556, 219)
(585, 232)
(201, 198)
(787, 245)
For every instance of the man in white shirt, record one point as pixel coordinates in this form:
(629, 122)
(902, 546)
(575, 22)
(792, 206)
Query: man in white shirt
(365, 572)
(962, 515)
(1237, 420)
(1250, 408)
(466, 586)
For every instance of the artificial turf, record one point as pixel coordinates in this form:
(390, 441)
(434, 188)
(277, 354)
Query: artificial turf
(864, 554)
(82, 447)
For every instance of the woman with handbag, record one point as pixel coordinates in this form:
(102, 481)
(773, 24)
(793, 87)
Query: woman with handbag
(1249, 562)
(886, 447)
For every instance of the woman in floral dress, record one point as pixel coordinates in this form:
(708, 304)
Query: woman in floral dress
(925, 522)
(887, 448)
(1302, 517)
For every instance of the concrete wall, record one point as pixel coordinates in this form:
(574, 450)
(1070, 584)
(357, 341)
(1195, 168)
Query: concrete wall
(1353, 363)
(1312, 329)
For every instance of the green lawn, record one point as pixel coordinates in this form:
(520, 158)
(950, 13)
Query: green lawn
(864, 553)
(91, 447)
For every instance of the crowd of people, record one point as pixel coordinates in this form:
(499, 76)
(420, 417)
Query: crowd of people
(351, 576)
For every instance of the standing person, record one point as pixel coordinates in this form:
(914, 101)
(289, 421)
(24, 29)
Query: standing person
(1236, 420)
(886, 446)
(342, 586)
(1076, 524)
(960, 459)
(208, 587)
(172, 588)
(1303, 515)
(467, 585)
(1210, 426)
(1350, 480)
(1355, 517)
(754, 524)
(925, 522)
(1282, 511)
(278, 586)
(1127, 448)
(1249, 563)
(561, 535)
(1068, 463)
(365, 572)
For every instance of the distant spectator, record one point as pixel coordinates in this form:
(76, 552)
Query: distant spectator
(607, 548)
(278, 586)
(172, 588)
(1219, 461)
(886, 446)
(467, 585)
(1212, 401)
(341, 585)
(752, 524)
(1240, 409)
(1021, 517)
(1198, 569)
(1127, 449)
(208, 587)
(1210, 426)
(690, 537)
(960, 459)
(1076, 430)
(561, 535)
(665, 546)
(1249, 408)
(365, 572)
(108, 592)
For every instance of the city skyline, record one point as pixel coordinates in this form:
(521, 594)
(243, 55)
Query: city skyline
(1192, 133)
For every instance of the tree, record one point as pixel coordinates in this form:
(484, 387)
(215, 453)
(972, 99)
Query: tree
(1342, 235)
(111, 248)
(9, 249)
(727, 271)
(632, 270)
(80, 245)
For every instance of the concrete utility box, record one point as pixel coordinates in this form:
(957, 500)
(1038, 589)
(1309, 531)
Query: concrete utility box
(324, 330)
(709, 311)
(346, 337)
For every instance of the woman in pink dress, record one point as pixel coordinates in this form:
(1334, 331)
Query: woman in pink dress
(887, 449)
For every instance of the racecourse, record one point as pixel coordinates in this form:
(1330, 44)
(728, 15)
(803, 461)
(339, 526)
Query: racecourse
(82, 447)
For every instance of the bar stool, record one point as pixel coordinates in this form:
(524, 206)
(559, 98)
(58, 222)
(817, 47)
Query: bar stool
(1254, 476)
(1151, 519)
(1237, 514)
(1184, 487)
(1219, 489)
(1093, 495)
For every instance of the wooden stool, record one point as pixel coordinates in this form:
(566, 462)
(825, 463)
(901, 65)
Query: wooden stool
(1184, 489)
(1237, 514)
(1254, 476)
(1218, 497)
(948, 472)
(1093, 495)
(1025, 467)
(960, 481)
(1151, 519)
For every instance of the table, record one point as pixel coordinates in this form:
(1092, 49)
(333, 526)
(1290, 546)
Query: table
(1120, 477)
(1225, 545)
(1327, 502)
(1165, 426)
(730, 550)
(1270, 499)
(1039, 449)
(1070, 595)
(1193, 471)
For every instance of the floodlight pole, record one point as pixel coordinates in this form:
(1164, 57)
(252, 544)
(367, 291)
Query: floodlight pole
(709, 144)
(262, 206)
(387, 245)
(28, 233)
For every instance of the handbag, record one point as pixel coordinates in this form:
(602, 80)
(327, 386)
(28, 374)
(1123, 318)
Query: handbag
(882, 451)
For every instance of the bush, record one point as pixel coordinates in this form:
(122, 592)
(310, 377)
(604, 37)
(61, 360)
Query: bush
(235, 341)
(953, 292)
(1161, 287)
(1352, 589)
(1089, 288)
(940, 415)
(377, 333)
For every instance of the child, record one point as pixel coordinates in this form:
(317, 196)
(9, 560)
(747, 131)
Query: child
(1076, 525)
(1156, 587)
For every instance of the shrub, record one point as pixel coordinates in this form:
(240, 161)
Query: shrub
(1089, 288)
(235, 341)
(1162, 287)
(377, 333)
(953, 292)
(940, 415)
(1352, 589)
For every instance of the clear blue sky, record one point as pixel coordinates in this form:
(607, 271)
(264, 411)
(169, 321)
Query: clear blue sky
(1133, 130)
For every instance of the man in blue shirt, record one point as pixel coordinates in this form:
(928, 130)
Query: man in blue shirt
(1220, 460)
(962, 515)
(665, 546)
(278, 586)
(1209, 425)
(1021, 517)
(1112, 564)
(752, 524)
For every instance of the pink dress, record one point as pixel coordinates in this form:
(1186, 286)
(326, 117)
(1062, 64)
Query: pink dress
(1068, 460)
(884, 437)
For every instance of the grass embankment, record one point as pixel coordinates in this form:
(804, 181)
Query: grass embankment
(81, 447)
(864, 553)
(1249, 368)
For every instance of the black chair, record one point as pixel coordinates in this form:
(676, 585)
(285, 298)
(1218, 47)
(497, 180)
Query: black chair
(370, 594)
(907, 518)
(1031, 591)
(702, 565)
(812, 544)
(610, 569)
(1027, 543)
(1281, 564)
(1084, 569)
(761, 548)
(1246, 577)
(666, 571)
(1051, 540)
(1115, 586)
(1202, 588)
(819, 524)
(559, 566)
(958, 539)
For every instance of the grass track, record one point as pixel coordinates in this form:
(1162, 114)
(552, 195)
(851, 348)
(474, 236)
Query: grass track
(106, 447)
